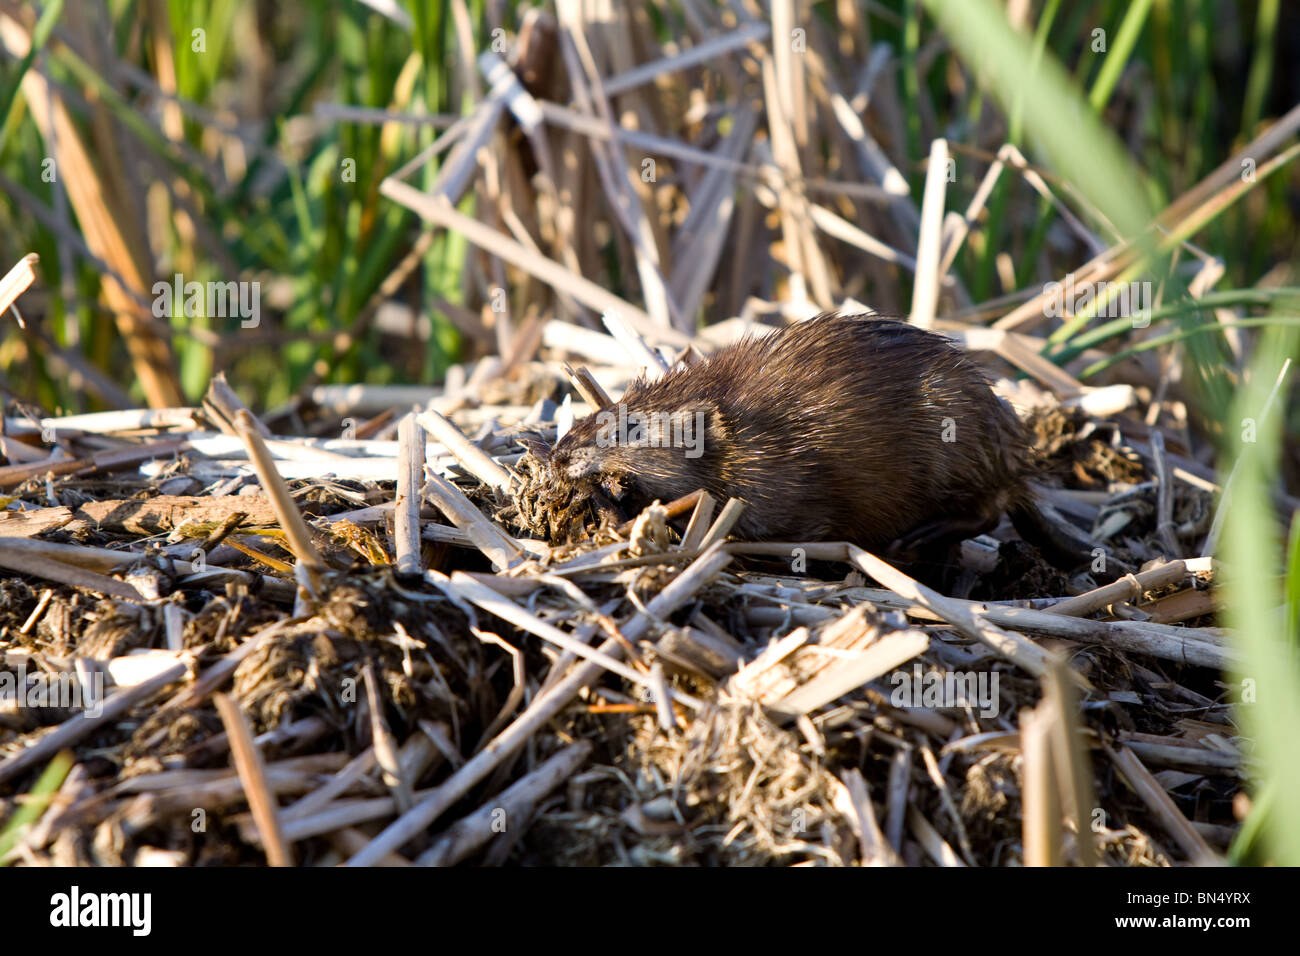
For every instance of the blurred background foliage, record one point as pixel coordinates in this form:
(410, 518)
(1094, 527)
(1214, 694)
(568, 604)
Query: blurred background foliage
(229, 173)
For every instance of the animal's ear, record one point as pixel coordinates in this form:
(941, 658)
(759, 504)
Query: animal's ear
(539, 448)
(696, 426)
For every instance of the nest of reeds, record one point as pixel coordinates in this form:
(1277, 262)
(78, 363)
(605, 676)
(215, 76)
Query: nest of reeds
(230, 638)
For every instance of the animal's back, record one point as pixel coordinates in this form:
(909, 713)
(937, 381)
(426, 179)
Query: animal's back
(845, 427)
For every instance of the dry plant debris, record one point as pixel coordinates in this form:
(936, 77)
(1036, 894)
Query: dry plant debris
(284, 646)
(772, 712)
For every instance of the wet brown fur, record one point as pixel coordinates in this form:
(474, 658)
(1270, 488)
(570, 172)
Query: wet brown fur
(828, 429)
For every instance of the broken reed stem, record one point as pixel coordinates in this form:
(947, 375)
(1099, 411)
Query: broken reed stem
(439, 211)
(476, 461)
(252, 774)
(512, 806)
(84, 724)
(223, 407)
(702, 52)
(1164, 496)
(104, 461)
(1073, 766)
(1148, 788)
(726, 521)
(1181, 644)
(960, 615)
(587, 386)
(502, 550)
(1041, 808)
(221, 671)
(17, 280)
(543, 708)
(698, 526)
(899, 786)
(406, 509)
(925, 288)
(384, 746)
(1131, 587)
(355, 770)
(461, 585)
(650, 361)
(674, 508)
(875, 849)
(277, 490)
(25, 562)
(935, 846)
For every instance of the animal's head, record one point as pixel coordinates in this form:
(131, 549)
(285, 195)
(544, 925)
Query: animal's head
(561, 486)
(623, 455)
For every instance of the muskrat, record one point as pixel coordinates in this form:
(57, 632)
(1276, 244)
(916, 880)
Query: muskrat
(841, 427)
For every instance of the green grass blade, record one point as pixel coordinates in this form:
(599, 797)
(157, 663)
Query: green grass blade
(30, 810)
(44, 27)
(1117, 56)
(1267, 680)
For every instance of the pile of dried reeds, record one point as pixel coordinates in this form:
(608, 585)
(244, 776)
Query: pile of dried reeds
(321, 649)
(385, 681)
